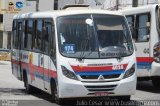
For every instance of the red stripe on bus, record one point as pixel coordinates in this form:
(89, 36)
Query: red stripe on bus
(34, 68)
(15, 61)
(145, 59)
(95, 68)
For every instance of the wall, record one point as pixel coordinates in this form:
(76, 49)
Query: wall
(8, 17)
(45, 5)
(8, 13)
(1, 39)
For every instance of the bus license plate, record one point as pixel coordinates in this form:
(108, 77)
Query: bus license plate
(101, 93)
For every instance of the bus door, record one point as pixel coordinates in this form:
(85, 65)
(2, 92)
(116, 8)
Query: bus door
(46, 47)
(141, 35)
(18, 57)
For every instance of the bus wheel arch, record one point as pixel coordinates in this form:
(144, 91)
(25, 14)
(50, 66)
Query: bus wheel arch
(124, 98)
(156, 81)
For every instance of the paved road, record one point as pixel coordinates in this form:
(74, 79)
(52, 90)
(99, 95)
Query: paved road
(12, 92)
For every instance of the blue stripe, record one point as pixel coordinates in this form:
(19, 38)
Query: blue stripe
(144, 65)
(40, 76)
(101, 73)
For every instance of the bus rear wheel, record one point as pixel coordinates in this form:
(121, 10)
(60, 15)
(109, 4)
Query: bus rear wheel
(28, 87)
(156, 82)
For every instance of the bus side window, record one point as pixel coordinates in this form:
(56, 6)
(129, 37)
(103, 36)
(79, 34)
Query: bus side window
(131, 22)
(14, 28)
(34, 45)
(53, 43)
(39, 29)
(143, 27)
(25, 38)
(49, 41)
(28, 34)
(47, 33)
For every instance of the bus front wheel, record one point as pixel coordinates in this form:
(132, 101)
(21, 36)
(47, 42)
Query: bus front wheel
(124, 98)
(54, 93)
(156, 82)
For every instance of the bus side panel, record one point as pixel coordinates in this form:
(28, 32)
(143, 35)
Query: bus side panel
(15, 64)
(24, 63)
(50, 72)
(39, 74)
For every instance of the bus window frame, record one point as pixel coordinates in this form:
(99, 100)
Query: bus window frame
(137, 26)
(33, 32)
(14, 28)
(52, 24)
(157, 11)
(132, 28)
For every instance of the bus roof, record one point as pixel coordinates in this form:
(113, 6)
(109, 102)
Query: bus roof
(138, 10)
(55, 13)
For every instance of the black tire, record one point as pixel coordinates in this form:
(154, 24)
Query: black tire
(54, 93)
(124, 98)
(28, 88)
(156, 82)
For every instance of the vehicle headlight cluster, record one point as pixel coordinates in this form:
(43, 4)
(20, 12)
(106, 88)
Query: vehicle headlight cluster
(129, 72)
(68, 73)
(156, 53)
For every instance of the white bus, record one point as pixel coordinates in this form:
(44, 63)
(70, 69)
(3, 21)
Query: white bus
(145, 26)
(62, 53)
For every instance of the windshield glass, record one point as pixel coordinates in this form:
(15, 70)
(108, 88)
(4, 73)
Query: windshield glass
(94, 36)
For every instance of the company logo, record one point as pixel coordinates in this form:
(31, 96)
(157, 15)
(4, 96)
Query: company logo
(19, 4)
(101, 77)
(10, 3)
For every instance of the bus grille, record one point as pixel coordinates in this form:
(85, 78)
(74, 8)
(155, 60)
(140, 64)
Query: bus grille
(101, 88)
(96, 76)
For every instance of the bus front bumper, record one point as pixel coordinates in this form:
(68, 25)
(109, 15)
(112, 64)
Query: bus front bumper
(71, 88)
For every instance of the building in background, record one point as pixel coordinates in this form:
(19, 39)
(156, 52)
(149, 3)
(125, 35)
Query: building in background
(1, 24)
(9, 8)
(108, 4)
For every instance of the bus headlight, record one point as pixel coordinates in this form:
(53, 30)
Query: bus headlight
(68, 73)
(129, 72)
(156, 52)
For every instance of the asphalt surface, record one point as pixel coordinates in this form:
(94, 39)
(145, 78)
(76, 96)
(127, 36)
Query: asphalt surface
(12, 93)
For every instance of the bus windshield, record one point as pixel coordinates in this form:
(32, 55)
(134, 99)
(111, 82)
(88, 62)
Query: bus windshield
(94, 36)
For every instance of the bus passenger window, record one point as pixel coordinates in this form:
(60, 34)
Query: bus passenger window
(28, 35)
(14, 28)
(25, 37)
(48, 33)
(49, 41)
(52, 43)
(143, 29)
(39, 34)
(130, 20)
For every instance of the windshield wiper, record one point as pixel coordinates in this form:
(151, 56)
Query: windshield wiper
(126, 41)
(83, 48)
